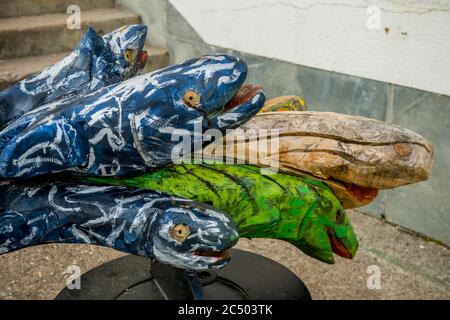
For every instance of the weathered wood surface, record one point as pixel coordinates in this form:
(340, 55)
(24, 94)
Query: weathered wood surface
(335, 147)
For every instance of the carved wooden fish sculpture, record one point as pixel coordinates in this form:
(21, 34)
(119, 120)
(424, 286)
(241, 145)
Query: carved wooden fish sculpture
(300, 210)
(176, 231)
(354, 155)
(95, 63)
(129, 127)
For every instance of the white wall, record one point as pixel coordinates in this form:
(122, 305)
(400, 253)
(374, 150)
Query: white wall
(153, 14)
(333, 35)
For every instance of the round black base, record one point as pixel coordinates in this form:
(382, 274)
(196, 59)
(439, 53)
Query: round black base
(247, 276)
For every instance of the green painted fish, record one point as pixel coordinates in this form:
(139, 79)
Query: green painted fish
(300, 210)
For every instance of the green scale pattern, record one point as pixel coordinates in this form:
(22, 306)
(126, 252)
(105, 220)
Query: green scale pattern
(300, 210)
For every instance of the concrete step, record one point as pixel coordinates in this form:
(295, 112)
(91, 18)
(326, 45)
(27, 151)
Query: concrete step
(18, 8)
(13, 70)
(45, 34)
(157, 58)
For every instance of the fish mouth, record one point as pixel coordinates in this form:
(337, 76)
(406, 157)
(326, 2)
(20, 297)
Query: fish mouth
(244, 95)
(359, 192)
(219, 254)
(349, 194)
(219, 257)
(141, 59)
(338, 246)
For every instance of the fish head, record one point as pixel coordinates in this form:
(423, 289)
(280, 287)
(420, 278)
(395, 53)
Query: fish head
(193, 236)
(189, 98)
(327, 235)
(207, 86)
(328, 230)
(126, 44)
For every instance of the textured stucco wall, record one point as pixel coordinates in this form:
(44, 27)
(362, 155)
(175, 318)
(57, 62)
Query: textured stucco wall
(413, 51)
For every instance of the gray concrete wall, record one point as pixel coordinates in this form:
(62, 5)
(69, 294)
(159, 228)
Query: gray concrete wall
(423, 207)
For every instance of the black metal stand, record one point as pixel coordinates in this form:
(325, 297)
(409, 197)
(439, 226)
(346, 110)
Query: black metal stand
(247, 276)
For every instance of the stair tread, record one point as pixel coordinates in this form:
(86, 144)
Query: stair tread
(57, 19)
(13, 70)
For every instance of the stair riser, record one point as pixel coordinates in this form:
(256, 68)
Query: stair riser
(17, 8)
(52, 39)
(156, 61)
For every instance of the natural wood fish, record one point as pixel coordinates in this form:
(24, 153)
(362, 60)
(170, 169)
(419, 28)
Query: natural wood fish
(354, 155)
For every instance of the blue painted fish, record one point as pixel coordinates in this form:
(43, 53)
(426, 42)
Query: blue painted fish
(95, 63)
(169, 229)
(131, 126)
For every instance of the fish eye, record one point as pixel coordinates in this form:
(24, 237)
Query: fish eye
(180, 232)
(128, 55)
(191, 98)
